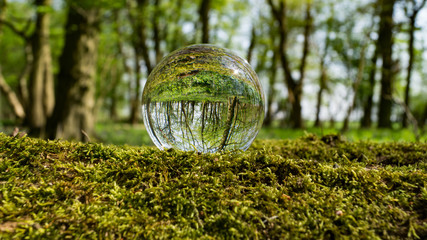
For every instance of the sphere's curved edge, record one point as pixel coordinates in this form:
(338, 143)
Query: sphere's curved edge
(183, 110)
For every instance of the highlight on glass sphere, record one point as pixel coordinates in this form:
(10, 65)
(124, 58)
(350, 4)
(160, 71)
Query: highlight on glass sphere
(203, 98)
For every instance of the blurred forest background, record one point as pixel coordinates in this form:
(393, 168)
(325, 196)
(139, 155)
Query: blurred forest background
(76, 69)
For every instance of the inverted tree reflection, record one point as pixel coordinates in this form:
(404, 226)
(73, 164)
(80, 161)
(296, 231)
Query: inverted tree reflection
(204, 126)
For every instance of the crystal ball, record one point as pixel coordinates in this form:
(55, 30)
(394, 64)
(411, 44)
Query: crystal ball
(203, 98)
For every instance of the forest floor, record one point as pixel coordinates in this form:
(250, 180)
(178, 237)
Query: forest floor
(136, 135)
(307, 188)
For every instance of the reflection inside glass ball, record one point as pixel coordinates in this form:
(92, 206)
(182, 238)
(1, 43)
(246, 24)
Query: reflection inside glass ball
(203, 98)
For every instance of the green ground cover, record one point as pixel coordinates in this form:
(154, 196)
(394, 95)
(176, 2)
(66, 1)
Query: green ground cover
(136, 135)
(308, 188)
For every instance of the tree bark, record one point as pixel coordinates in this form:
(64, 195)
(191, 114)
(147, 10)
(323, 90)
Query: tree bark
(412, 20)
(356, 84)
(122, 54)
(135, 97)
(294, 87)
(16, 103)
(157, 36)
(40, 86)
(322, 87)
(116, 77)
(366, 120)
(204, 19)
(323, 76)
(141, 52)
(17, 108)
(271, 91)
(73, 116)
(176, 28)
(141, 29)
(251, 45)
(385, 40)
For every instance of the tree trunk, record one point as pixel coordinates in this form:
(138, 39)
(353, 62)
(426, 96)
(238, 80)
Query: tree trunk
(116, 76)
(122, 54)
(423, 120)
(17, 108)
(135, 97)
(412, 21)
(204, 19)
(141, 52)
(251, 45)
(141, 34)
(271, 91)
(176, 27)
(366, 120)
(12, 98)
(294, 87)
(322, 87)
(359, 78)
(40, 87)
(73, 116)
(410, 65)
(323, 77)
(385, 40)
(157, 37)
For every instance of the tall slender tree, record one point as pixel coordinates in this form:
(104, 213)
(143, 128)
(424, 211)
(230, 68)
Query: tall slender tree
(36, 91)
(204, 19)
(137, 18)
(73, 115)
(412, 9)
(41, 89)
(366, 120)
(385, 40)
(323, 78)
(17, 108)
(13, 100)
(158, 34)
(295, 86)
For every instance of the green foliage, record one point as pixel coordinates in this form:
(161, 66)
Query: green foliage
(310, 188)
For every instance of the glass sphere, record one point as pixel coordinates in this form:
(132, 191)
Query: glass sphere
(203, 98)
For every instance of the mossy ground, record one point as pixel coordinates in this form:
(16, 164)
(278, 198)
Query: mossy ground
(309, 188)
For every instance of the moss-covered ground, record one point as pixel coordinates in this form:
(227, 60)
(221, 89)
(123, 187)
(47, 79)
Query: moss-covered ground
(309, 188)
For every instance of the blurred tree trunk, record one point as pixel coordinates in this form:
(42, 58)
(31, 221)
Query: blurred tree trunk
(204, 19)
(16, 102)
(176, 40)
(356, 84)
(17, 108)
(73, 115)
(157, 33)
(139, 26)
(412, 20)
(17, 105)
(135, 97)
(423, 120)
(123, 56)
(323, 75)
(116, 76)
(385, 40)
(139, 43)
(269, 116)
(294, 87)
(251, 45)
(2, 12)
(366, 120)
(40, 86)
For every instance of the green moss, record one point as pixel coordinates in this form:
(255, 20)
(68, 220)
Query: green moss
(205, 86)
(309, 188)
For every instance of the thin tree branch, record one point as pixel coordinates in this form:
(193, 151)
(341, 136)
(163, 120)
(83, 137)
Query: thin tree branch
(14, 29)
